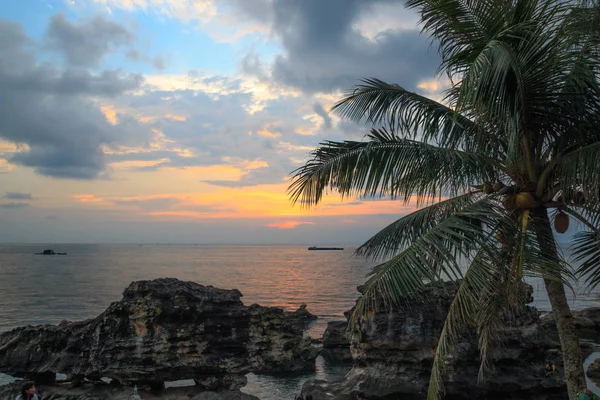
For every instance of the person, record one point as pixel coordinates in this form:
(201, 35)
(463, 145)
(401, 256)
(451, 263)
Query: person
(28, 392)
(550, 368)
(360, 396)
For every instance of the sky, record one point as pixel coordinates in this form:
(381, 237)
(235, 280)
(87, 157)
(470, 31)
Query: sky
(181, 120)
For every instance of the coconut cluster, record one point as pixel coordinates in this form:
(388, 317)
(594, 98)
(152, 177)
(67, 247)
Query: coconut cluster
(522, 198)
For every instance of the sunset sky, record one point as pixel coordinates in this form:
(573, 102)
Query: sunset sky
(180, 120)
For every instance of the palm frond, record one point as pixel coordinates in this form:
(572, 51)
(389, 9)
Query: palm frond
(580, 170)
(402, 232)
(388, 165)
(415, 116)
(586, 243)
(478, 282)
(586, 252)
(433, 256)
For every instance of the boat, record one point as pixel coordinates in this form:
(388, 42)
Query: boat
(325, 248)
(51, 253)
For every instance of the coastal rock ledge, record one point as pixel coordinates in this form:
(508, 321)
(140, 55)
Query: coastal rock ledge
(164, 330)
(393, 351)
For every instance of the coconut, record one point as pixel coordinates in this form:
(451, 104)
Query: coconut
(509, 203)
(498, 186)
(525, 200)
(487, 188)
(561, 222)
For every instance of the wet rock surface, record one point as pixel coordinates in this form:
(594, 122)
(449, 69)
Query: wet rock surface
(336, 346)
(164, 330)
(393, 352)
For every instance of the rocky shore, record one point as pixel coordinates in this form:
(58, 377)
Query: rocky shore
(167, 330)
(164, 330)
(392, 353)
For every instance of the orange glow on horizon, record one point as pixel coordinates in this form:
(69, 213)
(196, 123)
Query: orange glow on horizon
(289, 224)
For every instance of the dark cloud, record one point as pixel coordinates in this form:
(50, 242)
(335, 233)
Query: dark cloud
(53, 112)
(17, 196)
(14, 205)
(86, 43)
(325, 51)
(318, 108)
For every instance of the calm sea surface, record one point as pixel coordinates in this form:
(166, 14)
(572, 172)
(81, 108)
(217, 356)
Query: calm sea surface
(38, 289)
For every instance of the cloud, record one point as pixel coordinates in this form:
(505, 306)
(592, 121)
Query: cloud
(327, 46)
(17, 196)
(52, 114)
(85, 43)
(14, 205)
(289, 224)
(184, 10)
(157, 62)
(150, 204)
(318, 108)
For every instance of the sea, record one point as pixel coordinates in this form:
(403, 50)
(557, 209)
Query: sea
(36, 289)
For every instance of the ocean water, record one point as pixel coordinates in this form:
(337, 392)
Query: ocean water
(39, 289)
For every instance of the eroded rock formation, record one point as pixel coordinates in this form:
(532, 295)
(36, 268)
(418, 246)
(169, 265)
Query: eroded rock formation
(163, 330)
(393, 353)
(587, 322)
(336, 346)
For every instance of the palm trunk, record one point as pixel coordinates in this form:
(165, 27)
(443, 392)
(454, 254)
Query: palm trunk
(569, 338)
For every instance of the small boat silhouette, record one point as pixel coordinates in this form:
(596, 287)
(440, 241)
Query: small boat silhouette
(51, 253)
(325, 248)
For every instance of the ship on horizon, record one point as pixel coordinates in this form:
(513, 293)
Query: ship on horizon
(325, 248)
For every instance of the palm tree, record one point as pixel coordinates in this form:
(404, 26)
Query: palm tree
(513, 144)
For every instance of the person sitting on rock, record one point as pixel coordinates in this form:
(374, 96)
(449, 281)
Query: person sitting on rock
(550, 368)
(360, 396)
(28, 392)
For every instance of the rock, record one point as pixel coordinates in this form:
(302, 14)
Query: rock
(90, 391)
(336, 346)
(587, 323)
(163, 330)
(593, 371)
(276, 343)
(335, 335)
(393, 352)
(302, 318)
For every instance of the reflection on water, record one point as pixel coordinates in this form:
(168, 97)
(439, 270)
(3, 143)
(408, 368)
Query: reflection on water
(46, 289)
(289, 386)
